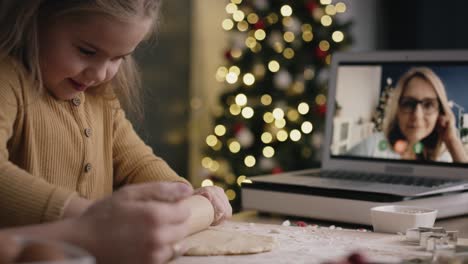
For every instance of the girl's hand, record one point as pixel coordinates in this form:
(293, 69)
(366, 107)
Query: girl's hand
(221, 206)
(140, 223)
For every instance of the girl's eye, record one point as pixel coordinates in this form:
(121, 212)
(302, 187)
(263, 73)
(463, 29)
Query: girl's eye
(87, 52)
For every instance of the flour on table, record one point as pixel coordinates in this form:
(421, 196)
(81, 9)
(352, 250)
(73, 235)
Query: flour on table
(212, 242)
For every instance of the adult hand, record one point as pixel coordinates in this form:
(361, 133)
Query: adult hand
(221, 206)
(137, 224)
(447, 128)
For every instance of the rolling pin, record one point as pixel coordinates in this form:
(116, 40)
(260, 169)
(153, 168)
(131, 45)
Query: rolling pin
(202, 213)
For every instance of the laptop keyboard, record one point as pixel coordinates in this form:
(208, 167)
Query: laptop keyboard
(385, 178)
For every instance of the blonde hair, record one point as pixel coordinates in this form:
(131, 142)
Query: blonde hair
(19, 24)
(433, 145)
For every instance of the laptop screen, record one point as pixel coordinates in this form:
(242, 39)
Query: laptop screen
(409, 112)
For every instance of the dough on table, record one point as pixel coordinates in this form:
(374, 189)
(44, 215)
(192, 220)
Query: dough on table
(213, 242)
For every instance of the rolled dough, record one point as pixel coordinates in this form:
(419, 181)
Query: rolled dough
(213, 242)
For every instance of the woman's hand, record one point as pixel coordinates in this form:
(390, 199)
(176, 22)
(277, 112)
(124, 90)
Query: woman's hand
(221, 206)
(449, 135)
(447, 129)
(137, 224)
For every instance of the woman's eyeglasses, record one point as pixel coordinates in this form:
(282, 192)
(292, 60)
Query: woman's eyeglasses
(409, 104)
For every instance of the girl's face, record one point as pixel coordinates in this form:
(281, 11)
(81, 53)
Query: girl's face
(418, 110)
(76, 54)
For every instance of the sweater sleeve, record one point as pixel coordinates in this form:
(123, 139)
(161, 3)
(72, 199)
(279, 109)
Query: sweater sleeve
(25, 198)
(133, 160)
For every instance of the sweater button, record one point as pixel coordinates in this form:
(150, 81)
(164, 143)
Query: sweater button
(88, 132)
(88, 167)
(76, 101)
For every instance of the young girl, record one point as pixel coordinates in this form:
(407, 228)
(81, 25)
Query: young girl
(65, 140)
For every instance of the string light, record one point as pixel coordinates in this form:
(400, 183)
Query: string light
(320, 99)
(307, 127)
(242, 179)
(282, 135)
(307, 36)
(250, 42)
(231, 78)
(295, 135)
(268, 117)
(325, 2)
(292, 115)
(330, 10)
(250, 161)
(206, 162)
(272, 18)
(211, 140)
(238, 2)
(266, 137)
(278, 113)
(206, 183)
(231, 195)
(326, 20)
(235, 70)
(242, 26)
(247, 112)
(238, 15)
(236, 53)
(288, 53)
(220, 130)
(235, 109)
(337, 36)
(234, 146)
(324, 45)
(286, 10)
(227, 24)
(303, 108)
(273, 66)
(252, 18)
(214, 166)
(241, 99)
(280, 123)
(260, 34)
(268, 152)
(289, 36)
(221, 74)
(340, 7)
(231, 8)
(266, 99)
(249, 79)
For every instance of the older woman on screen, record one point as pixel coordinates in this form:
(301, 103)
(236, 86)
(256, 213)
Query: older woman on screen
(418, 123)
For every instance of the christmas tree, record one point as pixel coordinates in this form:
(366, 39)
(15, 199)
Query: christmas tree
(379, 113)
(270, 117)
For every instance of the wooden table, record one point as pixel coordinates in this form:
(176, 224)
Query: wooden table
(317, 244)
(455, 223)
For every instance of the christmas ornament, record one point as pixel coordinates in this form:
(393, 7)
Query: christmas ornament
(282, 80)
(245, 137)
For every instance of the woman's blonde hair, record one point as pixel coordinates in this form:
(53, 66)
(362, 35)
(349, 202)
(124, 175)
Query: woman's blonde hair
(433, 145)
(19, 22)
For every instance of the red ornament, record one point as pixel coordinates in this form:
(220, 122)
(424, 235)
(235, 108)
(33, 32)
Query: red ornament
(320, 53)
(259, 25)
(228, 55)
(311, 5)
(277, 170)
(238, 127)
(301, 223)
(321, 110)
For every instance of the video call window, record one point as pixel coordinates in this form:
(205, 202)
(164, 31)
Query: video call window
(400, 111)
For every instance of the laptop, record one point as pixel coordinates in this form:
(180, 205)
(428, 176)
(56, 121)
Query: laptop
(387, 138)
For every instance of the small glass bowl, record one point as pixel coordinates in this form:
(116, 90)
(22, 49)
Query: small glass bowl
(399, 218)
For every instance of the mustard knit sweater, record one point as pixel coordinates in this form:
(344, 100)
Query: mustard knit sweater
(51, 150)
